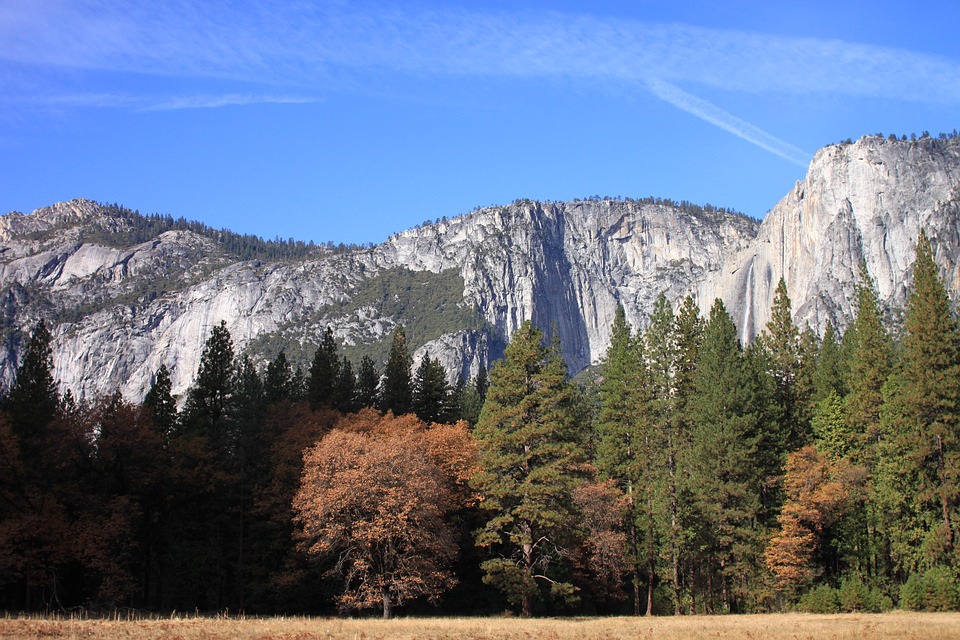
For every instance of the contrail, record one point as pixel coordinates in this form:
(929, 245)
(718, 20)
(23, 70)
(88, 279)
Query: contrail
(727, 121)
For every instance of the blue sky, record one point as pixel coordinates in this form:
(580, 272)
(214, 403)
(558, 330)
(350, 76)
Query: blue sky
(347, 121)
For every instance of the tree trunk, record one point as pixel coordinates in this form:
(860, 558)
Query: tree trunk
(650, 577)
(693, 592)
(526, 604)
(387, 605)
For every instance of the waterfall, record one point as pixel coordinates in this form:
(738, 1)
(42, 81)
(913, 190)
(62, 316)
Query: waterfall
(747, 308)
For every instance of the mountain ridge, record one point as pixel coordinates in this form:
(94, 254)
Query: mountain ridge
(121, 312)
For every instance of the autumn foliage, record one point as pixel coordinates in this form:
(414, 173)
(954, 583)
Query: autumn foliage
(819, 490)
(376, 494)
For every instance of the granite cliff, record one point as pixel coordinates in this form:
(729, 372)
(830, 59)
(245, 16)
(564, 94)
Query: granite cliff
(123, 303)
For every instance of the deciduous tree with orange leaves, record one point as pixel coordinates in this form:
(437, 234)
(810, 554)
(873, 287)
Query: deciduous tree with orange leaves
(375, 497)
(819, 490)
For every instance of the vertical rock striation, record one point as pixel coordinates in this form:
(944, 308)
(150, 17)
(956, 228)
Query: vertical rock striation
(123, 308)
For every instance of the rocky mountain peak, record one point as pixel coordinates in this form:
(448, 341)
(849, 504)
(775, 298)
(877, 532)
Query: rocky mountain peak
(127, 293)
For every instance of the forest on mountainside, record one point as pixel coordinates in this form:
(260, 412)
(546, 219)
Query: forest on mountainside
(692, 474)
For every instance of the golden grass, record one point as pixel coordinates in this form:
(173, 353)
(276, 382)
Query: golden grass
(900, 625)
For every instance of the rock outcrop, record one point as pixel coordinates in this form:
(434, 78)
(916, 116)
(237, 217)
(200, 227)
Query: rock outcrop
(861, 203)
(123, 308)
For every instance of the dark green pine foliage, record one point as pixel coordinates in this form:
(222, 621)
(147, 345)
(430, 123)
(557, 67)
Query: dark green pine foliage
(868, 364)
(455, 405)
(246, 468)
(828, 373)
(688, 338)
(531, 458)
(278, 380)
(621, 449)
(471, 401)
(659, 351)
(203, 545)
(324, 373)
(482, 383)
(921, 428)
(431, 393)
(160, 404)
(368, 380)
(345, 390)
(396, 391)
(781, 339)
(724, 474)
(33, 401)
(213, 389)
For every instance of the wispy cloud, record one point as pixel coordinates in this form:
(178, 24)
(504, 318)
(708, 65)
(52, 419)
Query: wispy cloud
(728, 122)
(227, 100)
(316, 47)
(152, 103)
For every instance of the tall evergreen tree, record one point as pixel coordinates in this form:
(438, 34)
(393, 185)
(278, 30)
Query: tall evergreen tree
(324, 373)
(921, 421)
(213, 388)
(482, 383)
(620, 444)
(688, 338)
(662, 441)
(160, 403)
(33, 399)
(203, 452)
(724, 474)
(396, 393)
(431, 393)
(368, 379)
(345, 391)
(782, 341)
(868, 366)
(867, 363)
(530, 460)
(828, 374)
(278, 381)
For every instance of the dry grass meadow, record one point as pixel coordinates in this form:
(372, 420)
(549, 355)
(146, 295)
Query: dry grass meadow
(918, 626)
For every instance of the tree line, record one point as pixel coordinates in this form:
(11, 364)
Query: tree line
(693, 474)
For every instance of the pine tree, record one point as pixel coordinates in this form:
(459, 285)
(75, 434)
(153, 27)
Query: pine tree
(688, 338)
(530, 461)
(782, 341)
(866, 363)
(397, 388)
(431, 392)
(620, 446)
(208, 398)
(921, 417)
(368, 379)
(345, 390)
(828, 375)
(33, 399)
(869, 365)
(324, 373)
(160, 403)
(278, 382)
(482, 383)
(659, 351)
(724, 473)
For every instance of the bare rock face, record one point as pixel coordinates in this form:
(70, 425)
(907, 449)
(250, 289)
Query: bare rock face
(121, 306)
(569, 265)
(864, 202)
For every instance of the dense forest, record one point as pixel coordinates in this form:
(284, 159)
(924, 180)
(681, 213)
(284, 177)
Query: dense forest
(691, 474)
(137, 228)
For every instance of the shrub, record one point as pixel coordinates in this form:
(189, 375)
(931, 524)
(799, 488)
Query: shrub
(822, 599)
(935, 590)
(912, 593)
(940, 590)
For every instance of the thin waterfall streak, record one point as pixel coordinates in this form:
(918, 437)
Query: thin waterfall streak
(747, 308)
